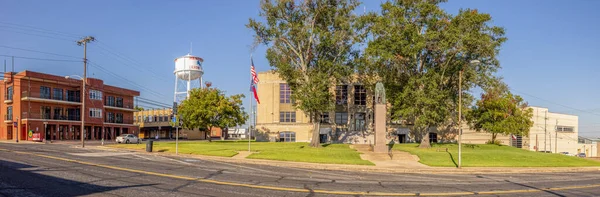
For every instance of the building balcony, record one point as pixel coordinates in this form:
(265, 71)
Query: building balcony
(126, 106)
(8, 118)
(46, 98)
(8, 99)
(118, 121)
(51, 117)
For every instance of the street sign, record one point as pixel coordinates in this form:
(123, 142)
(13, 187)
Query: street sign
(174, 120)
(15, 124)
(30, 134)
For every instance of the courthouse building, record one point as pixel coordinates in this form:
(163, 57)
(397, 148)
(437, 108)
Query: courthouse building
(49, 106)
(352, 121)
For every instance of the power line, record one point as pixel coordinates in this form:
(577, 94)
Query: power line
(124, 79)
(9, 47)
(554, 102)
(58, 38)
(145, 103)
(152, 100)
(42, 59)
(41, 29)
(123, 57)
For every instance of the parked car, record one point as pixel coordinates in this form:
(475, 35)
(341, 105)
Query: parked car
(581, 155)
(128, 138)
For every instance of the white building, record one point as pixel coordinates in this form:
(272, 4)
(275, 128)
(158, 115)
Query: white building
(553, 132)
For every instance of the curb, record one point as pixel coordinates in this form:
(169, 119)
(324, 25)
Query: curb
(346, 167)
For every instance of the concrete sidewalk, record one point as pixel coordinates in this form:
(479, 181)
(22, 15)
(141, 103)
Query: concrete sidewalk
(397, 159)
(364, 168)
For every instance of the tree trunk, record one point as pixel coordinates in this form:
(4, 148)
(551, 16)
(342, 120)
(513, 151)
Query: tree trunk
(425, 140)
(315, 142)
(494, 137)
(208, 133)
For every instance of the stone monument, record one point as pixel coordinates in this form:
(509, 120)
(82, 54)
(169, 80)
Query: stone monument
(380, 119)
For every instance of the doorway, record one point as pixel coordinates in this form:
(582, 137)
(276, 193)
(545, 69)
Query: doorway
(401, 138)
(433, 138)
(322, 138)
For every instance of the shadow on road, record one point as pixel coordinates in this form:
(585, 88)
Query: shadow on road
(536, 188)
(16, 179)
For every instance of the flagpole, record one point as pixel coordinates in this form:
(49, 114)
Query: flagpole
(250, 97)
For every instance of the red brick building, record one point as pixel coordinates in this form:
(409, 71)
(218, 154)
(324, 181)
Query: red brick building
(50, 106)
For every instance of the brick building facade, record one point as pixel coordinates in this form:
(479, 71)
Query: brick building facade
(50, 106)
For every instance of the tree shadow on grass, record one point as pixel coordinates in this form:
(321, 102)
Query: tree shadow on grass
(452, 158)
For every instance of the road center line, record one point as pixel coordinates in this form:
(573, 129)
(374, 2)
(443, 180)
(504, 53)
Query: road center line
(289, 189)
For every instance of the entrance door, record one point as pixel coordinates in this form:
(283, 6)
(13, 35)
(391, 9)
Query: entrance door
(9, 132)
(48, 135)
(402, 138)
(323, 138)
(433, 138)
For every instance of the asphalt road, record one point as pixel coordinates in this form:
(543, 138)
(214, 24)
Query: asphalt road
(63, 170)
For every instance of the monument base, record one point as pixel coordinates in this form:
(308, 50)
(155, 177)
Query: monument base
(380, 148)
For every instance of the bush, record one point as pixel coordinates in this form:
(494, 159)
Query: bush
(496, 142)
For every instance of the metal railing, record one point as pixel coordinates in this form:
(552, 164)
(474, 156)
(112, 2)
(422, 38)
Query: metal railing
(8, 117)
(49, 96)
(118, 121)
(45, 116)
(127, 105)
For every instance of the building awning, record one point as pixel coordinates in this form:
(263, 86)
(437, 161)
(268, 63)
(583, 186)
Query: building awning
(325, 131)
(403, 130)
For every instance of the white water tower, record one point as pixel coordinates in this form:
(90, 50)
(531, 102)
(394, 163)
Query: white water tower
(188, 75)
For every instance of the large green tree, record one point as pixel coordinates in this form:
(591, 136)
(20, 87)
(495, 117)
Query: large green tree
(500, 112)
(207, 108)
(311, 46)
(417, 50)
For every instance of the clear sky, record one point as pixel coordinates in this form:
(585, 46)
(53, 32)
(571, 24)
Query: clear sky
(550, 57)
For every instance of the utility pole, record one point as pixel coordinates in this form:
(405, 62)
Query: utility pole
(545, 132)
(556, 137)
(84, 42)
(459, 118)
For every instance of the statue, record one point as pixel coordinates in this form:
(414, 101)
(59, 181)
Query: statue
(379, 93)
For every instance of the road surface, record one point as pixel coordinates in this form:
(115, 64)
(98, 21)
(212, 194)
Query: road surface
(63, 170)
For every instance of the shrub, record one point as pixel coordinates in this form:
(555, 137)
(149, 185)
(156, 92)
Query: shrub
(496, 142)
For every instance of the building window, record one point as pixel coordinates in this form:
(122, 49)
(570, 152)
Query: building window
(45, 92)
(110, 101)
(110, 117)
(565, 129)
(285, 93)
(341, 118)
(95, 95)
(433, 138)
(119, 102)
(360, 95)
(9, 113)
(287, 116)
(341, 94)
(73, 114)
(325, 117)
(59, 114)
(95, 113)
(359, 122)
(73, 96)
(119, 118)
(287, 136)
(9, 93)
(58, 94)
(45, 112)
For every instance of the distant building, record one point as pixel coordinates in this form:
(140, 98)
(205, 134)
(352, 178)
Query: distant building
(158, 122)
(49, 106)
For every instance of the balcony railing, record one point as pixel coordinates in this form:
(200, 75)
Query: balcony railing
(126, 105)
(119, 121)
(27, 94)
(8, 117)
(45, 116)
(8, 97)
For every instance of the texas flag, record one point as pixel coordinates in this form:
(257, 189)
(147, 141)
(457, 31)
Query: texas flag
(253, 81)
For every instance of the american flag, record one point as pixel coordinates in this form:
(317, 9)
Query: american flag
(253, 81)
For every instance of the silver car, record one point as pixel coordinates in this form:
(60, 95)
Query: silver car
(128, 138)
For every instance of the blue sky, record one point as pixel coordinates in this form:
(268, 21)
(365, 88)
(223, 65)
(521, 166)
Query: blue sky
(549, 58)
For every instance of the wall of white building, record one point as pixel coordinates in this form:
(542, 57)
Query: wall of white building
(547, 132)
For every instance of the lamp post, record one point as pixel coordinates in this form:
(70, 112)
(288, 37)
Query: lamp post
(82, 112)
(17, 125)
(460, 113)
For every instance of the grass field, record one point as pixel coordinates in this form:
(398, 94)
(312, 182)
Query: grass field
(488, 155)
(300, 152)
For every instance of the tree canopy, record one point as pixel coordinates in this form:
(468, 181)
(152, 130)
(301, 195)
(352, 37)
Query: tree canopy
(311, 46)
(207, 108)
(500, 112)
(417, 50)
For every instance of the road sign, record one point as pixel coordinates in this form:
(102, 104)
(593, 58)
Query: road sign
(15, 124)
(30, 134)
(174, 120)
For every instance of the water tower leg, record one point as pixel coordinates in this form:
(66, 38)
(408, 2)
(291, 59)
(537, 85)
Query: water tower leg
(188, 88)
(175, 94)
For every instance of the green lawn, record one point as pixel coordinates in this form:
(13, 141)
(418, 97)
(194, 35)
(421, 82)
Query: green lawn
(487, 155)
(301, 152)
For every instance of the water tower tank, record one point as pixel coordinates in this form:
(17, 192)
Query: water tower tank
(188, 67)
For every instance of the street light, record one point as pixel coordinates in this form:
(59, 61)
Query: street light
(460, 113)
(82, 112)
